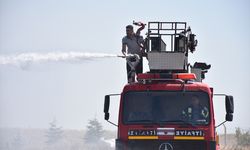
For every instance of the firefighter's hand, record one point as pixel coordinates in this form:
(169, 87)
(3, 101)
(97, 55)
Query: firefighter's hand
(139, 24)
(123, 54)
(142, 24)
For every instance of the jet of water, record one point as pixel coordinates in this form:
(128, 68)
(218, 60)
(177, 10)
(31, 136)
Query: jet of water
(28, 58)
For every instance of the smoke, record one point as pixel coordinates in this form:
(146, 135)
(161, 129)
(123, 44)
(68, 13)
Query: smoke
(30, 58)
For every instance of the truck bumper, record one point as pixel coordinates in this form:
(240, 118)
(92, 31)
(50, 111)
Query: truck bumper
(165, 144)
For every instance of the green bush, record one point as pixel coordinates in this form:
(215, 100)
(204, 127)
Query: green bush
(243, 137)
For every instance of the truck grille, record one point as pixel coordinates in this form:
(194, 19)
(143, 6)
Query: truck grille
(166, 145)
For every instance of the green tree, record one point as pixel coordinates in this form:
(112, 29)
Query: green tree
(243, 137)
(54, 133)
(94, 137)
(94, 131)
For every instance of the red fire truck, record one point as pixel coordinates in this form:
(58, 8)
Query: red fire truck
(169, 107)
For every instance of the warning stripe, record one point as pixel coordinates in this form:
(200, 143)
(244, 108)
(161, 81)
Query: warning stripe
(142, 137)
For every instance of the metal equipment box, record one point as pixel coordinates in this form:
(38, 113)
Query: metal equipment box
(166, 60)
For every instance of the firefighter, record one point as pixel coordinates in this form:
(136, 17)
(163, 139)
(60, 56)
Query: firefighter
(195, 112)
(132, 44)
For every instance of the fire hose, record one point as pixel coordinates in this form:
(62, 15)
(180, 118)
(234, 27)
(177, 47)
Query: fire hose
(132, 60)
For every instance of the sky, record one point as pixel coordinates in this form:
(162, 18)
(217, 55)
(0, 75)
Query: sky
(33, 94)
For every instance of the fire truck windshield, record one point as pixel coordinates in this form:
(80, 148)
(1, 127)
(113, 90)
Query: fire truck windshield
(164, 107)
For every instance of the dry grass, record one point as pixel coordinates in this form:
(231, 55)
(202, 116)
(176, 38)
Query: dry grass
(230, 143)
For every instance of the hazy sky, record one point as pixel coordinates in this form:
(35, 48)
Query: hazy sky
(72, 92)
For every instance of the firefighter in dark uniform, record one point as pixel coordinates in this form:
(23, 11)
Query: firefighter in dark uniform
(195, 112)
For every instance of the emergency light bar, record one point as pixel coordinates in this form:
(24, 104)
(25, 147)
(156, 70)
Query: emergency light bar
(163, 76)
(184, 76)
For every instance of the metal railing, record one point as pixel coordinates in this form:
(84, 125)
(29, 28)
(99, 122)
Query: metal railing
(166, 29)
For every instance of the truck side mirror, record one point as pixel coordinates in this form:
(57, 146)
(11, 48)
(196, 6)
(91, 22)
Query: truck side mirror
(106, 107)
(229, 117)
(229, 104)
(229, 108)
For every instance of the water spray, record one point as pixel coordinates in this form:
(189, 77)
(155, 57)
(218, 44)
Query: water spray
(29, 58)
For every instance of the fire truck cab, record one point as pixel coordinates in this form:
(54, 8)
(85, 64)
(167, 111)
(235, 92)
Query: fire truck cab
(169, 107)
